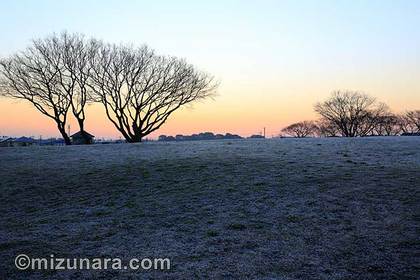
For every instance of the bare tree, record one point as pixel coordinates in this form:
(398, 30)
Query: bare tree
(387, 125)
(140, 90)
(413, 119)
(405, 125)
(301, 129)
(353, 113)
(73, 54)
(53, 75)
(33, 75)
(326, 128)
(374, 119)
(77, 53)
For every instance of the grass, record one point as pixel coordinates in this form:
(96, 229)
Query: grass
(261, 209)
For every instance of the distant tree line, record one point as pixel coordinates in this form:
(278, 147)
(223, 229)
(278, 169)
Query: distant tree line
(199, 136)
(138, 89)
(206, 136)
(355, 114)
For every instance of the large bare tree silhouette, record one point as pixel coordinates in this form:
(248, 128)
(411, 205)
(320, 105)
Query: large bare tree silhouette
(352, 113)
(74, 69)
(140, 90)
(33, 75)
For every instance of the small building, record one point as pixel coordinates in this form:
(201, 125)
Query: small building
(82, 138)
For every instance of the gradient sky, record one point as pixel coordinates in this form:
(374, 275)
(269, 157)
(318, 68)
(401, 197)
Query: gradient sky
(274, 59)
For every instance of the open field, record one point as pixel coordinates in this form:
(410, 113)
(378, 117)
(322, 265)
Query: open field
(266, 209)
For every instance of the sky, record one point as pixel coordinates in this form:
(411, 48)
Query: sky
(274, 59)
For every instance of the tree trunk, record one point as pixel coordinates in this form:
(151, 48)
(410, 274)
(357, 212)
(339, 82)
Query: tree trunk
(62, 129)
(81, 124)
(135, 139)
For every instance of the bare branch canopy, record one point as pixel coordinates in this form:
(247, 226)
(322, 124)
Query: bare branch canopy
(34, 75)
(140, 90)
(352, 113)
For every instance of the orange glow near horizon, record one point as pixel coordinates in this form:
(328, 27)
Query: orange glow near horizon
(244, 112)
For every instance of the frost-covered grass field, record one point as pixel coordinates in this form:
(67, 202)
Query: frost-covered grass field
(265, 209)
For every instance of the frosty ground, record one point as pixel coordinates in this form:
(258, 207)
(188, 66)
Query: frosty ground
(265, 209)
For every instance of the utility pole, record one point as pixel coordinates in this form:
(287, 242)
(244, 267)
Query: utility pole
(68, 130)
(264, 132)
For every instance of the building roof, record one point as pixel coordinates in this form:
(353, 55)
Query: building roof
(83, 134)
